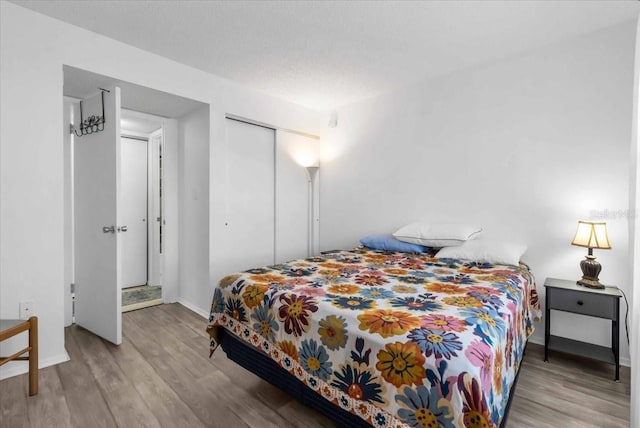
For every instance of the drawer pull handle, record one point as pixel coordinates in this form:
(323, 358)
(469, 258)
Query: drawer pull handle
(580, 303)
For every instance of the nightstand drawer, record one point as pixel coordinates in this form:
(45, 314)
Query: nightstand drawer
(591, 304)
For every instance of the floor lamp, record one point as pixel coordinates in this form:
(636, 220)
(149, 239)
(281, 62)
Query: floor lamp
(312, 173)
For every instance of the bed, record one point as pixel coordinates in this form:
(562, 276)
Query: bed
(384, 339)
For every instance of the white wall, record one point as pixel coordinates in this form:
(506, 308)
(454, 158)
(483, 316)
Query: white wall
(634, 233)
(193, 191)
(524, 147)
(33, 50)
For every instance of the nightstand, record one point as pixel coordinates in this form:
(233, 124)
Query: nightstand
(563, 295)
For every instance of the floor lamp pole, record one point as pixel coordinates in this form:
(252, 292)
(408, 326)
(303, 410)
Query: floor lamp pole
(312, 172)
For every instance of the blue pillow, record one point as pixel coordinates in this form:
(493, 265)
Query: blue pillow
(389, 243)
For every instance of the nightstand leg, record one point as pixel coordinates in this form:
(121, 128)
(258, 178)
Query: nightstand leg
(615, 338)
(547, 316)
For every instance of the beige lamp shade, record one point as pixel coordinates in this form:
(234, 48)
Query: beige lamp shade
(592, 234)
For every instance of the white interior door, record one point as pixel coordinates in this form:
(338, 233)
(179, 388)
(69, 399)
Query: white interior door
(133, 198)
(251, 196)
(96, 208)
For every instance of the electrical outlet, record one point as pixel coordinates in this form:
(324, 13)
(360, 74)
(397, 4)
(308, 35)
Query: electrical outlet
(26, 309)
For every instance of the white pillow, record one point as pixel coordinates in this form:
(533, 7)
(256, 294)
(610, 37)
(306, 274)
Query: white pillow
(485, 250)
(437, 235)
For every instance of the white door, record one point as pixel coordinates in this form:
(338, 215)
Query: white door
(251, 196)
(134, 212)
(97, 212)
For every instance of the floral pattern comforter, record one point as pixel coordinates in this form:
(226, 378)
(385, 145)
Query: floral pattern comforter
(398, 339)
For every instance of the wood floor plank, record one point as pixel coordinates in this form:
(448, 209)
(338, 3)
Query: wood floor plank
(578, 391)
(13, 402)
(49, 408)
(248, 408)
(86, 404)
(159, 397)
(187, 317)
(271, 395)
(268, 394)
(174, 370)
(126, 405)
(564, 396)
(171, 343)
(161, 376)
(532, 414)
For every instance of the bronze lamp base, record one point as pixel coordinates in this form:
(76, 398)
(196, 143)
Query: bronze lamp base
(590, 271)
(589, 283)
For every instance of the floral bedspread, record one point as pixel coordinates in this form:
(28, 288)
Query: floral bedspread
(398, 339)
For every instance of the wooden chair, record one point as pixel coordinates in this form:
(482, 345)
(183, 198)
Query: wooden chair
(10, 328)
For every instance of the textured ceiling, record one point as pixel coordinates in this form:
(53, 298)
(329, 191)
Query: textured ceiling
(322, 54)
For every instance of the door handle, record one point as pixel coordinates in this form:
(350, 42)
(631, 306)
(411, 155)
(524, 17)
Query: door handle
(122, 229)
(108, 229)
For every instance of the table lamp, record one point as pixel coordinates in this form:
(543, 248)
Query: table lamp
(592, 235)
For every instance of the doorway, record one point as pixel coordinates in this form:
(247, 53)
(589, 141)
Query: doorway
(141, 170)
(135, 188)
(161, 267)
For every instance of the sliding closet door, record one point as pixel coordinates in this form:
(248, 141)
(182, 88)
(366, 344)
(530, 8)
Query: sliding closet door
(250, 196)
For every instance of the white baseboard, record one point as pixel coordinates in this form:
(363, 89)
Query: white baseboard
(203, 313)
(21, 367)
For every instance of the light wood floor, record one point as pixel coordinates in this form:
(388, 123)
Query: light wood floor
(161, 376)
